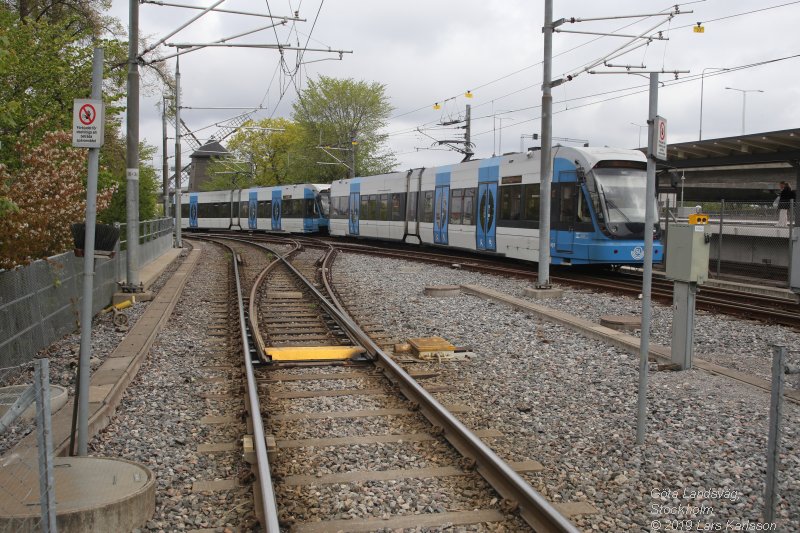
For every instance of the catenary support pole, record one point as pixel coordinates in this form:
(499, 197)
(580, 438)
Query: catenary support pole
(647, 278)
(164, 159)
(132, 141)
(543, 278)
(88, 269)
(178, 172)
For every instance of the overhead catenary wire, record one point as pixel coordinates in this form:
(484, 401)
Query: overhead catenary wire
(587, 43)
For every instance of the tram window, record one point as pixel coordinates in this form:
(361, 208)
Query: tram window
(583, 209)
(469, 207)
(567, 210)
(530, 203)
(372, 207)
(244, 209)
(383, 205)
(456, 205)
(344, 207)
(427, 207)
(310, 210)
(364, 213)
(234, 210)
(412, 206)
(398, 206)
(510, 202)
(184, 210)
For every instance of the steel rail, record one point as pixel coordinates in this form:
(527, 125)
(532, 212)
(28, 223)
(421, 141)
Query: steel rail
(266, 491)
(533, 508)
(253, 314)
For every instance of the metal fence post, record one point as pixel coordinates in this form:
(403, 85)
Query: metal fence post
(791, 244)
(774, 437)
(44, 437)
(719, 240)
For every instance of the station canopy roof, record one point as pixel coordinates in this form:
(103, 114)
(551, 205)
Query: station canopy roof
(768, 147)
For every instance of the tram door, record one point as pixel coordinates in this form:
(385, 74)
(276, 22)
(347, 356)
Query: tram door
(276, 209)
(193, 211)
(441, 214)
(487, 222)
(355, 204)
(251, 211)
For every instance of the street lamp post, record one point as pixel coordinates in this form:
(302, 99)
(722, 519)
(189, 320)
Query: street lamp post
(640, 126)
(702, 79)
(744, 99)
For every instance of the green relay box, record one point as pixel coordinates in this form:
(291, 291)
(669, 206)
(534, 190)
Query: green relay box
(688, 248)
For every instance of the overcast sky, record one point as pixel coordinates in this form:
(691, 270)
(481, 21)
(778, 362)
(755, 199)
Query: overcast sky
(428, 51)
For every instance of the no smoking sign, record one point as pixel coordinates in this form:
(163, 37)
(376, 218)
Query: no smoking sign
(87, 123)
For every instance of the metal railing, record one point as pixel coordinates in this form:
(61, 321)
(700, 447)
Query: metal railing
(149, 230)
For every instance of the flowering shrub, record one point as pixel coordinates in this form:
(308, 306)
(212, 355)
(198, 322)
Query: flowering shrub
(49, 194)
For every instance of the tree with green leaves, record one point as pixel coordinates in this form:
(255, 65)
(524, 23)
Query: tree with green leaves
(345, 114)
(265, 153)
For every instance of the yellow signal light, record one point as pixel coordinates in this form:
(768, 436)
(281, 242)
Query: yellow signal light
(468, 94)
(699, 28)
(437, 106)
(698, 219)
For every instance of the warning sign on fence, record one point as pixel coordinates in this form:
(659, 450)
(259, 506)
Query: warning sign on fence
(87, 123)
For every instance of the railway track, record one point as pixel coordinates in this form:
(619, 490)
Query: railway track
(714, 299)
(361, 408)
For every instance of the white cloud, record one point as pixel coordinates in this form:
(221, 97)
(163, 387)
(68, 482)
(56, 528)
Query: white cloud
(426, 51)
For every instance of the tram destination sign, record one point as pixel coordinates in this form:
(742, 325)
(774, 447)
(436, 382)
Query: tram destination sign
(88, 118)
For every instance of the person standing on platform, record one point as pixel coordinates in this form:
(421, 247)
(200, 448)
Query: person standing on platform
(784, 203)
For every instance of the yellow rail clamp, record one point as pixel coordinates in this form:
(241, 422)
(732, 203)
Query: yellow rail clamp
(313, 353)
(698, 219)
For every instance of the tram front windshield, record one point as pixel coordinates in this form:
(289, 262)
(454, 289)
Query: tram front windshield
(622, 193)
(325, 203)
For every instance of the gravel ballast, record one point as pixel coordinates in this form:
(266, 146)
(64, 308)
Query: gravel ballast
(570, 402)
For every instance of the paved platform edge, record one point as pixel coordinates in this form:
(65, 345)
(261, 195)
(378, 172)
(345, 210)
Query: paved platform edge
(621, 340)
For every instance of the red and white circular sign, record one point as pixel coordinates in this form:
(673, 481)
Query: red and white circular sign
(87, 114)
(662, 131)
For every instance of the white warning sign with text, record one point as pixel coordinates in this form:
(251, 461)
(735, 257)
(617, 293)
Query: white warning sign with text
(87, 123)
(660, 138)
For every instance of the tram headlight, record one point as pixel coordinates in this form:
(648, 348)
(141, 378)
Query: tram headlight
(614, 228)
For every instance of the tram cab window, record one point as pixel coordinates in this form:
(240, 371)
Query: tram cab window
(456, 205)
(584, 215)
(567, 211)
(427, 207)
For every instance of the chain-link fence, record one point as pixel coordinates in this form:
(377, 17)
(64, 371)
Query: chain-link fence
(27, 482)
(41, 302)
(748, 239)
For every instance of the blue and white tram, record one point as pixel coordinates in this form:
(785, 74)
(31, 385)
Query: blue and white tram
(492, 205)
(291, 208)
